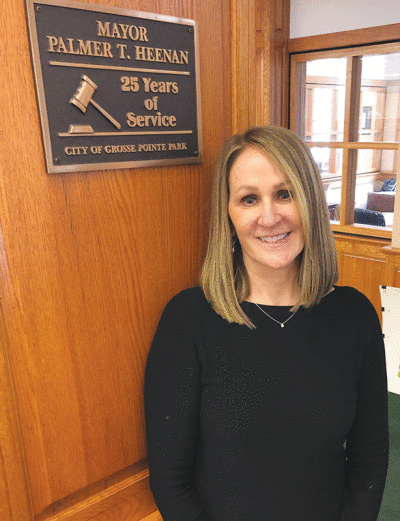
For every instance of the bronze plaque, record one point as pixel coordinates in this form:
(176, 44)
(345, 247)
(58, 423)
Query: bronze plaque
(116, 88)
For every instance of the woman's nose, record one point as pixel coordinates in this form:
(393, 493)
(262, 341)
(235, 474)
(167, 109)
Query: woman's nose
(269, 215)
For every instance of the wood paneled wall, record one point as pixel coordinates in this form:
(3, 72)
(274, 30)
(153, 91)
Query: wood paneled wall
(88, 261)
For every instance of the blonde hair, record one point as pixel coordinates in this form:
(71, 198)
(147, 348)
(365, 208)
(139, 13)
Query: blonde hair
(224, 277)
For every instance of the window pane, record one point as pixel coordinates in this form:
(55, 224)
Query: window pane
(379, 102)
(375, 190)
(325, 93)
(329, 161)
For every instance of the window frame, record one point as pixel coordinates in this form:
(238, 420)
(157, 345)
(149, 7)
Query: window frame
(350, 144)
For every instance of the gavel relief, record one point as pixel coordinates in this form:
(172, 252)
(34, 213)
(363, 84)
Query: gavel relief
(84, 96)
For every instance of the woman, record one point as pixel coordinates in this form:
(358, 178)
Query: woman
(265, 392)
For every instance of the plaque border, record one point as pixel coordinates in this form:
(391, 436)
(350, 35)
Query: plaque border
(53, 168)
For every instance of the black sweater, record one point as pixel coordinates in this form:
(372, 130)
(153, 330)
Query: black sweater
(251, 424)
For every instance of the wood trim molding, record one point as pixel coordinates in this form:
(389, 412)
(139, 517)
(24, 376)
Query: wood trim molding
(155, 516)
(132, 492)
(243, 64)
(260, 62)
(390, 250)
(276, 25)
(352, 98)
(379, 34)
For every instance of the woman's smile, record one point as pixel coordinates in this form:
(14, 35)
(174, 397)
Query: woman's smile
(274, 238)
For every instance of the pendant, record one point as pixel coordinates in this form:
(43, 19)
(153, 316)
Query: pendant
(282, 325)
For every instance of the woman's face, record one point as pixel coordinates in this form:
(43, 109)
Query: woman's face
(265, 216)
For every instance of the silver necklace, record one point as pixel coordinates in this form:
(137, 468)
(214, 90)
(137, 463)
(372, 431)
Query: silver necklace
(282, 324)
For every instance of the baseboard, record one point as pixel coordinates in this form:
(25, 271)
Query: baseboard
(130, 499)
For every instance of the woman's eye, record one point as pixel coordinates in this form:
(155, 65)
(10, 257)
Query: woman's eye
(285, 195)
(249, 199)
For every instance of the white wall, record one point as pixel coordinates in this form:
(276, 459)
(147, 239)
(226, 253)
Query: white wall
(309, 17)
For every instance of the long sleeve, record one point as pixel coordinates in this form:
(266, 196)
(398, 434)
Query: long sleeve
(250, 424)
(367, 446)
(172, 400)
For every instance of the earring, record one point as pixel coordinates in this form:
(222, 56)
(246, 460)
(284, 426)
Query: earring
(233, 244)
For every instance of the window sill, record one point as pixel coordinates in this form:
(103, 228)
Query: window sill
(363, 229)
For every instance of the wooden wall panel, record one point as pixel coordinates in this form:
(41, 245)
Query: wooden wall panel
(14, 496)
(392, 266)
(366, 263)
(88, 262)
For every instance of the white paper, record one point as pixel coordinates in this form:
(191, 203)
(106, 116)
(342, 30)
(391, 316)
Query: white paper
(390, 298)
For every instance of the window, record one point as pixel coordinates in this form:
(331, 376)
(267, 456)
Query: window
(345, 104)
